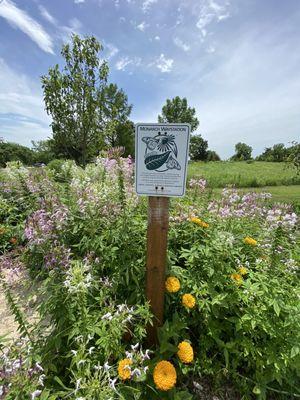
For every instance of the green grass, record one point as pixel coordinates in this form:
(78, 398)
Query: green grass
(242, 174)
(282, 194)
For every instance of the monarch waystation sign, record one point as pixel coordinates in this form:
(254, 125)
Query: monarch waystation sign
(161, 156)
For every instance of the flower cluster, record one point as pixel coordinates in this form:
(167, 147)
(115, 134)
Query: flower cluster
(199, 222)
(199, 184)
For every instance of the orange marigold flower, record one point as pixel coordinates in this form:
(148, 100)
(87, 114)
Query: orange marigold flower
(199, 222)
(249, 240)
(243, 270)
(185, 352)
(237, 278)
(172, 284)
(188, 300)
(124, 370)
(164, 375)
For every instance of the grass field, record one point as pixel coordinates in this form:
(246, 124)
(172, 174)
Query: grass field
(243, 174)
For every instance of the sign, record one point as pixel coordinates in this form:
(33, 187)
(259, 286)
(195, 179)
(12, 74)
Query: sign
(161, 156)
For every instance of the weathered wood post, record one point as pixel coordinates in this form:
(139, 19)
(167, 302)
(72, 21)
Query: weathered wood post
(157, 237)
(161, 154)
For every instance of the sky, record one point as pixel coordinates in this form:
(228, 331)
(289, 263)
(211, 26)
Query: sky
(236, 61)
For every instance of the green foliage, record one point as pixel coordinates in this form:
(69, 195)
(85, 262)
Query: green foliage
(73, 97)
(15, 152)
(242, 152)
(177, 110)
(198, 148)
(212, 156)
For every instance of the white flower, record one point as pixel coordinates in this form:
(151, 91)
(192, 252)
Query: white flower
(91, 350)
(74, 352)
(112, 383)
(77, 385)
(106, 366)
(41, 379)
(107, 316)
(39, 367)
(35, 394)
(136, 372)
(134, 347)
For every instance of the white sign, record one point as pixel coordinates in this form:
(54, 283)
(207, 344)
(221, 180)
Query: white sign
(161, 156)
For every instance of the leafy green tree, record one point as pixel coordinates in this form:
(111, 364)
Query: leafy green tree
(176, 110)
(15, 152)
(242, 152)
(294, 156)
(277, 153)
(198, 148)
(119, 131)
(212, 156)
(43, 151)
(73, 97)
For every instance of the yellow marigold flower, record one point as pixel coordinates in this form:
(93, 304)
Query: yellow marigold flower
(164, 375)
(243, 270)
(199, 222)
(172, 284)
(249, 240)
(185, 352)
(124, 369)
(237, 278)
(188, 300)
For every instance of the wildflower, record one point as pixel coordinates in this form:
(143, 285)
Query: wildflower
(124, 369)
(249, 240)
(237, 278)
(2, 231)
(243, 270)
(13, 240)
(185, 352)
(199, 222)
(35, 394)
(164, 375)
(188, 300)
(172, 284)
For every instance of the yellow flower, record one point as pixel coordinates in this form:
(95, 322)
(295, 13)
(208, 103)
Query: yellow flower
(188, 300)
(172, 284)
(199, 222)
(164, 375)
(249, 240)
(243, 270)
(185, 352)
(237, 278)
(2, 230)
(124, 369)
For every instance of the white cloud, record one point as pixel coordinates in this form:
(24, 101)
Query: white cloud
(147, 5)
(157, 38)
(142, 26)
(124, 62)
(179, 43)
(112, 50)
(22, 100)
(79, 1)
(164, 64)
(66, 31)
(209, 12)
(45, 14)
(21, 20)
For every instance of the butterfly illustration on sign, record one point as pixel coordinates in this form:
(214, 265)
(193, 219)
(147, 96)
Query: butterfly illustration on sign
(161, 152)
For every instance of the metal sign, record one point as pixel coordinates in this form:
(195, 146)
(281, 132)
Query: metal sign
(161, 156)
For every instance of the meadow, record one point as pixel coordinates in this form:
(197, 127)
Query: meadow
(244, 174)
(232, 315)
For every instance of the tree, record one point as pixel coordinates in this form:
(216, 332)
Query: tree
(277, 153)
(119, 130)
(242, 152)
(15, 152)
(73, 97)
(44, 151)
(198, 148)
(212, 156)
(177, 111)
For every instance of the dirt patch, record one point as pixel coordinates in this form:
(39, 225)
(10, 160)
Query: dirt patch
(22, 290)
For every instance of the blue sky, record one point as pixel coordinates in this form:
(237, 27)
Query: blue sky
(237, 62)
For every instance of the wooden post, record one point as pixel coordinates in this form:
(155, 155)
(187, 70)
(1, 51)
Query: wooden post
(157, 237)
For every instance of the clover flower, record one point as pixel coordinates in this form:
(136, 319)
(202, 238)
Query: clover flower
(172, 284)
(164, 376)
(188, 300)
(185, 352)
(250, 241)
(124, 370)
